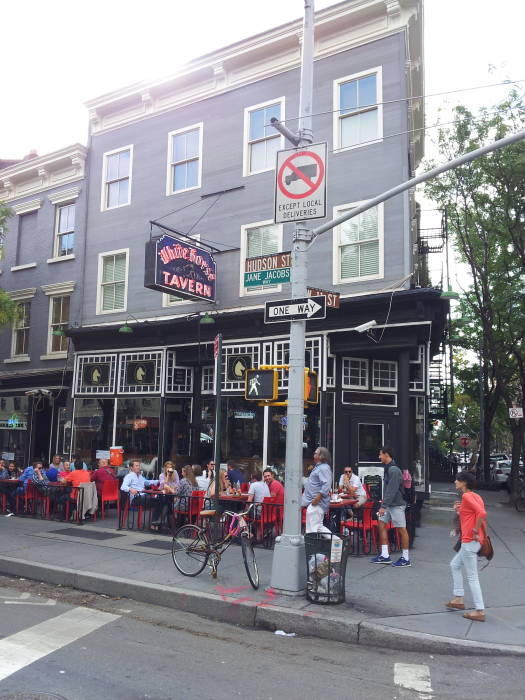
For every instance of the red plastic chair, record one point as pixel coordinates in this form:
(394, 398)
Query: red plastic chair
(196, 504)
(110, 494)
(366, 525)
(245, 487)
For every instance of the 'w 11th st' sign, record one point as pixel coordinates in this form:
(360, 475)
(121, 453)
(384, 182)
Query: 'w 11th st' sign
(179, 268)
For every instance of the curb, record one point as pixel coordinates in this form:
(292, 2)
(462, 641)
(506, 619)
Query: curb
(250, 614)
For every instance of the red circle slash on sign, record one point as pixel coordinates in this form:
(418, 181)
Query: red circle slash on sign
(464, 441)
(300, 174)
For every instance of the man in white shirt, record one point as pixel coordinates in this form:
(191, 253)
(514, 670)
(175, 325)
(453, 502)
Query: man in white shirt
(258, 489)
(352, 486)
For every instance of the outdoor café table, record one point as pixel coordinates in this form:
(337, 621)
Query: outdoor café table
(235, 503)
(336, 512)
(60, 492)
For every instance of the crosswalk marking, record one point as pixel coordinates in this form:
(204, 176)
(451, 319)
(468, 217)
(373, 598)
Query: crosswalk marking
(29, 645)
(414, 677)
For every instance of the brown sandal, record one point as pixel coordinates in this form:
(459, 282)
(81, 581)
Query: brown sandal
(455, 606)
(475, 616)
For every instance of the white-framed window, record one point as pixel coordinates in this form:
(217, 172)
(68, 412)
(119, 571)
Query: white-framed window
(355, 373)
(261, 140)
(116, 178)
(21, 327)
(384, 375)
(112, 288)
(208, 379)
(58, 320)
(358, 245)
(259, 238)
(184, 159)
(64, 230)
(358, 116)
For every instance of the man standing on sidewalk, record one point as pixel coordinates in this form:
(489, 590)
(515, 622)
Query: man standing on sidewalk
(316, 496)
(392, 510)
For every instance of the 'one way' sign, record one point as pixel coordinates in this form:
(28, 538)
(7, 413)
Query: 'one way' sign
(306, 309)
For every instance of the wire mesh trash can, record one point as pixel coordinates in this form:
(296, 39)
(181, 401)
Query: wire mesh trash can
(326, 556)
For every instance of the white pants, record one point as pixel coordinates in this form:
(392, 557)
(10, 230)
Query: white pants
(314, 520)
(467, 557)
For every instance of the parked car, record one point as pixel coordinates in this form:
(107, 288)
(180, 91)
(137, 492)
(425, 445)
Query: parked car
(500, 472)
(500, 455)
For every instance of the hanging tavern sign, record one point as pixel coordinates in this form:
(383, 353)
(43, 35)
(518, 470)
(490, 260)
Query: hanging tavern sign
(179, 268)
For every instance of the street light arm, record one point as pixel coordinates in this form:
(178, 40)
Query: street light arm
(466, 158)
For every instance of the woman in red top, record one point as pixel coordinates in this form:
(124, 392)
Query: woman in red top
(472, 515)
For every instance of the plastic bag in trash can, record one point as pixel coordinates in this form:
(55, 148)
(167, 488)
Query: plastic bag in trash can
(315, 560)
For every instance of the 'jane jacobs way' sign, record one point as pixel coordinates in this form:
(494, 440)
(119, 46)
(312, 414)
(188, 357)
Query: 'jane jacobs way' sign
(178, 268)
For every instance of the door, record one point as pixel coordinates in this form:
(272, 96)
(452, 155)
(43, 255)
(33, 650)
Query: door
(367, 434)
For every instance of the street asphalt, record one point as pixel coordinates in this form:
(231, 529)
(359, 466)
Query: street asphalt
(385, 606)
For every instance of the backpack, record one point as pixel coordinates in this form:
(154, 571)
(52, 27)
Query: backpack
(407, 479)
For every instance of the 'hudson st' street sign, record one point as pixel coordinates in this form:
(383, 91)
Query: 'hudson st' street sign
(306, 309)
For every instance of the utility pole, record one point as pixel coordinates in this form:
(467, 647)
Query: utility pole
(289, 568)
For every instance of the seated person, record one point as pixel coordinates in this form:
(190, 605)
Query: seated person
(168, 482)
(41, 481)
(66, 468)
(54, 468)
(352, 486)
(4, 474)
(276, 488)
(102, 474)
(185, 487)
(202, 481)
(224, 484)
(134, 484)
(77, 476)
(235, 475)
(258, 490)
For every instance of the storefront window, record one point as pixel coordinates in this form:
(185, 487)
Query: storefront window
(278, 424)
(93, 427)
(63, 432)
(370, 440)
(242, 429)
(14, 434)
(177, 430)
(207, 430)
(417, 405)
(137, 429)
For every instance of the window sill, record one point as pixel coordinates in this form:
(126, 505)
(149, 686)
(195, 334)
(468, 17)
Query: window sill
(19, 358)
(186, 189)
(23, 267)
(61, 258)
(343, 149)
(54, 356)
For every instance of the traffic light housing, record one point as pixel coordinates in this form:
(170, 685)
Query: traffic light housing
(311, 387)
(261, 385)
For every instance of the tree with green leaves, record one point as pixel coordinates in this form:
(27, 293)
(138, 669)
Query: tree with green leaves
(484, 204)
(7, 305)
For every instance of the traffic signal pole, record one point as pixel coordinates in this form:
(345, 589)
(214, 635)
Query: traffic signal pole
(288, 567)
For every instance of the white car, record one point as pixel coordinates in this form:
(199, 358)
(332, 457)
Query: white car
(500, 472)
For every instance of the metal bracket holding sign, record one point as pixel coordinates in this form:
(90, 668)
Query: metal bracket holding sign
(300, 188)
(306, 309)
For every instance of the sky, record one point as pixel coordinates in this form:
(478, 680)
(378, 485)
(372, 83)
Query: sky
(58, 54)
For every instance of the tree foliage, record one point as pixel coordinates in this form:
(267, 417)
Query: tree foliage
(484, 205)
(7, 305)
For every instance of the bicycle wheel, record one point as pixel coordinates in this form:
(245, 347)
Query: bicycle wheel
(190, 550)
(250, 564)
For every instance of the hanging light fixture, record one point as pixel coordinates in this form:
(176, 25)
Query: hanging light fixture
(126, 328)
(59, 332)
(449, 294)
(206, 319)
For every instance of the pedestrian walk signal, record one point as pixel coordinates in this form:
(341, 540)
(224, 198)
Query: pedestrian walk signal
(261, 385)
(311, 387)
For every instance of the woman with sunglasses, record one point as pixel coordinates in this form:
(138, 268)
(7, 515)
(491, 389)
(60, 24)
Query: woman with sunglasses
(168, 482)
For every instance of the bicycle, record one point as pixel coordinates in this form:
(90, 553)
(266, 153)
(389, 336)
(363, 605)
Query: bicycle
(192, 548)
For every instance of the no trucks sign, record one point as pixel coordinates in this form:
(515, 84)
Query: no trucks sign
(300, 188)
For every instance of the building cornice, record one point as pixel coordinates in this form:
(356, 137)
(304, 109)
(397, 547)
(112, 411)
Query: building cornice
(58, 288)
(22, 294)
(43, 173)
(338, 28)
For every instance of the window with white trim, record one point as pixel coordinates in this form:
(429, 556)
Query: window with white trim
(261, 238)
(22, 324)
(208, 379)
(116, 185)
(357, 112)
(184, 159)
(262, 141)
(384, 375)
(358, 246)
(64, 230)
(355, 373)
(58, 320)
(113, 281)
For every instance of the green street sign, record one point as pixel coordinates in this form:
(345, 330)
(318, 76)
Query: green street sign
(262, 278)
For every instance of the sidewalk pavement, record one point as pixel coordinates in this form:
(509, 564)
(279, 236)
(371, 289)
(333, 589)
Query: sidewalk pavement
(401, 608)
